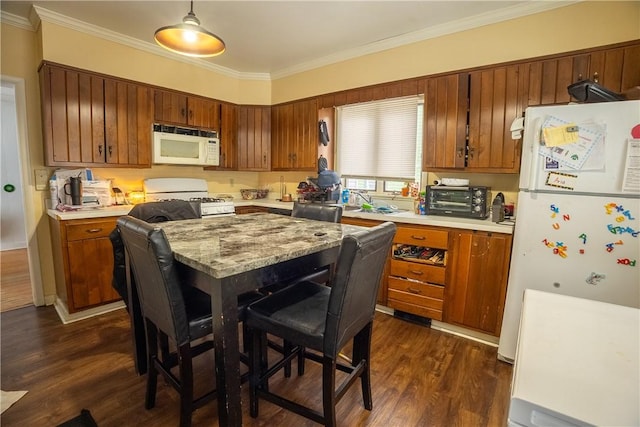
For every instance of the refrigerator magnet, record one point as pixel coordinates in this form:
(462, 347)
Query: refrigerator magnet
(561, 180)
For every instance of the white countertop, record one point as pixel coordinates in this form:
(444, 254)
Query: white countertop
(400, 217)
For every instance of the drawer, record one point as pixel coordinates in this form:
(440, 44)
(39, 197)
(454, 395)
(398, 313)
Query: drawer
(90, 229)
(417, 271)
(432, 313)
(418, 289)
(422, 237)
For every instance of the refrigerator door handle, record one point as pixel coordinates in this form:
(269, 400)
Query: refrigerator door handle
(529, 178)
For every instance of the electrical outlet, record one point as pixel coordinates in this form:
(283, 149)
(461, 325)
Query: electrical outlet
(42, 179)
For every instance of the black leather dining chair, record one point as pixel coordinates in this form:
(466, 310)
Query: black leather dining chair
(323, 319)
(318, 212)
(152, 212)
(172, 311)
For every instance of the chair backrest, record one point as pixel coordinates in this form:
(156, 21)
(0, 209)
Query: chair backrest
(156, 277)
(317, 211)
(170, 210)
(354, 290)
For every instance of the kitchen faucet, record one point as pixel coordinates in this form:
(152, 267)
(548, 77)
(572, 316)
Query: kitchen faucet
(364, 197)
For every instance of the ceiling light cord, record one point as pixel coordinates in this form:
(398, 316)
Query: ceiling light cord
(189, 38)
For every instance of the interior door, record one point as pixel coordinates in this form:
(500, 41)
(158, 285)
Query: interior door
(13, 233)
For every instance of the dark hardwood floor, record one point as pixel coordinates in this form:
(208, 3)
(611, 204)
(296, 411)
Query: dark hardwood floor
(421, 377)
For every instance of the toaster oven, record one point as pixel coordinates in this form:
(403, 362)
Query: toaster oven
(465, 202)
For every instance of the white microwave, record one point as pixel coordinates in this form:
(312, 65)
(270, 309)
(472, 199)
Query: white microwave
(182, 146)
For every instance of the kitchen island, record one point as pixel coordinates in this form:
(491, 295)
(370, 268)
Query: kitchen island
(229, 255)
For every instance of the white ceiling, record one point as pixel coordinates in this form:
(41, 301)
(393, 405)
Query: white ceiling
(276, 38)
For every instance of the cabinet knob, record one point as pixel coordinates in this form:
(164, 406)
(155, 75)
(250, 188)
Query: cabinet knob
(596, 77)
(100, 149)
(417, 237)
(110, 150)
(471, 150)
(94, 230)
(416, 272)
(413, 291)
(460, 152)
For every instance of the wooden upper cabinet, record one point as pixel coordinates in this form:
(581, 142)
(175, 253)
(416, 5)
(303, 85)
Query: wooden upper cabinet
(494, 103)
(177, 108)
(170, 107)
(89, 120)
(72, 117)
(203, 113)
(128, 123)
(254, 138)
(445, 122)
(307, 135)
(294, 136)
(228, 137)
(616, 69)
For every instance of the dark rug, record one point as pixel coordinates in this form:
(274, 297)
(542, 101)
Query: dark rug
(83, 420)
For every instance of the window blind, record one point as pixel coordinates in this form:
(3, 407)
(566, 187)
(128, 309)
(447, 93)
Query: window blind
(378, 139)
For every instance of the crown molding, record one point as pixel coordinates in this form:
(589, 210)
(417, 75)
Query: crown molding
(16, 21)
(103, 33)
(39, 13)
(488, 18)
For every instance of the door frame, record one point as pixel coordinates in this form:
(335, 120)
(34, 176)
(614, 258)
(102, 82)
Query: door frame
(27, 188)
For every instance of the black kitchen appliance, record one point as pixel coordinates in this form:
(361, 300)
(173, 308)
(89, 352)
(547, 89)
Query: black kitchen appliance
(465, 202)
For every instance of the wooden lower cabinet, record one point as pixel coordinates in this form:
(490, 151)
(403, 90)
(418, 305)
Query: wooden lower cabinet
(83, 260)
(417, 276)
(475, 294)
(241, 210)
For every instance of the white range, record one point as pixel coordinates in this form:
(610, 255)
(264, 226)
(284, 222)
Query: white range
(190, 189)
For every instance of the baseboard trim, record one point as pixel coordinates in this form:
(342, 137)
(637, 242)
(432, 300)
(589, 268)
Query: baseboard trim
(66, 317)
(451, 329)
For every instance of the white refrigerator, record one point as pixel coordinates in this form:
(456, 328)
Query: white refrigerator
(578, 210)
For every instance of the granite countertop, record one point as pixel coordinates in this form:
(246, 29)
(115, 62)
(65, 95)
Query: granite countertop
(406, 217)
(227, 245)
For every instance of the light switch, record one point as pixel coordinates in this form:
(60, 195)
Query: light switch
(42, 179)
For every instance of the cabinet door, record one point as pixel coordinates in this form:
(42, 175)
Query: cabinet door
(475, 295)
(494, 102)
(254, 138)
(128, 123)
(72, 117)
(305, 149)
(282, 137)
(228, 137)
(170, 107)
(445, 122)
(203, 113)
(616, 69)
(89, 255)
(548, 79)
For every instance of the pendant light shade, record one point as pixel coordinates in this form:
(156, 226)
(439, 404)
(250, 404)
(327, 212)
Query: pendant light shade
(189, 38)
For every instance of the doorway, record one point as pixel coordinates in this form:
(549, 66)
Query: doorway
(18, 251)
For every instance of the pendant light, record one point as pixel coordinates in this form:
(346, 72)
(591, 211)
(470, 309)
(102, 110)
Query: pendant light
(189, 38)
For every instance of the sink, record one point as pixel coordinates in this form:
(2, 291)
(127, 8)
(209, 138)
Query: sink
(380, 211)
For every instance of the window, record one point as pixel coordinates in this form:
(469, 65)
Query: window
(380, 141)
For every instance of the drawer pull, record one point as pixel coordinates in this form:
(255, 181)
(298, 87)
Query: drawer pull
(413, 236)
(416, 272)
(414, 291)
(94, 230)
